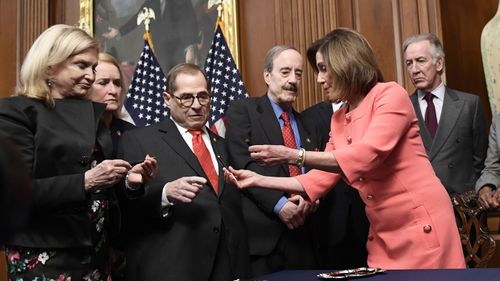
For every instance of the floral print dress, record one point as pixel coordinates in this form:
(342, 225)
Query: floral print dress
(42, 264)
(66, 264)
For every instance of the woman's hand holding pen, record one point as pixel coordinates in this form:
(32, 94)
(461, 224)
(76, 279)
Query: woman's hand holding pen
(242, 178)
(105, 174)
(143, 172)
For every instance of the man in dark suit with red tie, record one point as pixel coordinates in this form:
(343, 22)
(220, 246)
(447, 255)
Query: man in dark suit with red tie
(278, 224)
(187, 225)
(452, 123)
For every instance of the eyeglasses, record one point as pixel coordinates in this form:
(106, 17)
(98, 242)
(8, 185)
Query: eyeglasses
(188, 100)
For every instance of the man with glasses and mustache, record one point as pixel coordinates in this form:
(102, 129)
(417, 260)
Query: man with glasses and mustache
(278, 224)
(187, 223)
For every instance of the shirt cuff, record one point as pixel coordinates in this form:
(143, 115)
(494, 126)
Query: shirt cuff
(165, 203)
(129, 187)
(279, 205)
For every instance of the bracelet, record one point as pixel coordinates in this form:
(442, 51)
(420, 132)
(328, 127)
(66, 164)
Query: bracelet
(301, 158)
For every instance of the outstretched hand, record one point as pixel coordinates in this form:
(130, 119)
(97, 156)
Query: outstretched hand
(241, 178)
(272, 155)
(185, 189)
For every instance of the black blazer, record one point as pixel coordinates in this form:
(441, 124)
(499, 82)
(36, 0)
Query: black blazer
(252, 121)
(117, 128)
(183, 245)
(57, 148)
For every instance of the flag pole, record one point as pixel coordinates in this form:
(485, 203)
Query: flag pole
(146, 15)
(220, 22)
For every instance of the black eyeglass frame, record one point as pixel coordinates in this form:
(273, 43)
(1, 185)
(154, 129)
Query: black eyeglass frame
(183, 99)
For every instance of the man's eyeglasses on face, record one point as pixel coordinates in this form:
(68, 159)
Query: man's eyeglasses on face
(188, 100)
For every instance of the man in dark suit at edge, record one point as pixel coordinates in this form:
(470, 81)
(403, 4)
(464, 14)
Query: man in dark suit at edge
(280, 233)
(453, 128)
(188, 224)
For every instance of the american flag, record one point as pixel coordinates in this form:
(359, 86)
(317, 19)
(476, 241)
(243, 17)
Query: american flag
(145, 94)
(225, 81)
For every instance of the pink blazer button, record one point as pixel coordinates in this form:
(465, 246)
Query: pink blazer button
(427, 228)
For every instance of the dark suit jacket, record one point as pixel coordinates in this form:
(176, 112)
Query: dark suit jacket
(117, 128)
(57, 148)
(458, 149)
(252, 121)
(183, 245)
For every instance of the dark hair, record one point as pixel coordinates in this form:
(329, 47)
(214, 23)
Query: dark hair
(313, 49)
(183, 68)
(350, 60)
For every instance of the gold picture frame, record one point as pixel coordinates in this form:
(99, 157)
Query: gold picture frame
(229, 17)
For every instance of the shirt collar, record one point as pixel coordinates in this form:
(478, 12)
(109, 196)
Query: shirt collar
(438, 92)
(278, 110)
(183, 130)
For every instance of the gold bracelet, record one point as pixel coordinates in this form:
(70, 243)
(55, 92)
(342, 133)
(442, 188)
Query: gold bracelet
(301, 157)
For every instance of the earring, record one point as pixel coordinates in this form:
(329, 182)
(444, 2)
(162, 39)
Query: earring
(49, 83)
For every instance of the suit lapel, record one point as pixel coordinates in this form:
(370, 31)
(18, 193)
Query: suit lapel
(452, 106)
(267, 119)
(424, 132)
(270, 125)
(220, 153)
(169, 133)
(305, 135)
(102, 132)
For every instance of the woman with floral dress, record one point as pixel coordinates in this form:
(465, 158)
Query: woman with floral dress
(64, 144)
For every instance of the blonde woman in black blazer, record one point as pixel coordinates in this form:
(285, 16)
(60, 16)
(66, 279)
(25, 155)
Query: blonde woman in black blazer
(64, 145)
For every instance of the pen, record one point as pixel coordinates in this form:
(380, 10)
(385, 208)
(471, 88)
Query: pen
(226, 167)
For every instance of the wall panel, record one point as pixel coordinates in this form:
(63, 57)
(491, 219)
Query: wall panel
(462, 23)
(8, 27)
(385, 23)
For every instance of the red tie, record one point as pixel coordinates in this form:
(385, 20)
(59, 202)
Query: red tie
(289, 139)
(430, 115)
(201, 152)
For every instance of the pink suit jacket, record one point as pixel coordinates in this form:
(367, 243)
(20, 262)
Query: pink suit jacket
(381, 154)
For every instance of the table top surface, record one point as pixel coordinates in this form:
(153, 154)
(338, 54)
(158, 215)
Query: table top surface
(483, 274)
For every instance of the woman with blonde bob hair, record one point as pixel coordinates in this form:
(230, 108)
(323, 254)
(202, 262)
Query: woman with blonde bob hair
(109, 88)
(376, 148)
(64, 146)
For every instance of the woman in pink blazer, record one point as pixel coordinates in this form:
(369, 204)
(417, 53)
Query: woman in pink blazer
(374, 146)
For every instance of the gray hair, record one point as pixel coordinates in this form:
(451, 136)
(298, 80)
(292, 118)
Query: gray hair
(436, 46)
(273, 53)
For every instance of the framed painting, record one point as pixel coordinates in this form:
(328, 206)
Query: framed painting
(182, 30)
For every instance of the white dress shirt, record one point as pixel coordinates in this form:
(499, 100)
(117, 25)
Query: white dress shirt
(188, 138)
(437, 100)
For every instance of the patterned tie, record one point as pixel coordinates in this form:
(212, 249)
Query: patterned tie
(289, 139)
(430, 115)
(201, 152)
